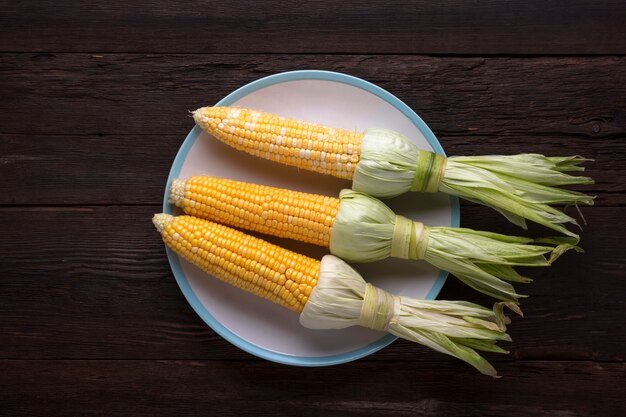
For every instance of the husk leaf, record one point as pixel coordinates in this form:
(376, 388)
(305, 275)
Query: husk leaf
(363, 232)
(521, 187)
(456, 328)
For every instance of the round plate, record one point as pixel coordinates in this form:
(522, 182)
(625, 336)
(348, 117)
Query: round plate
(261, 327)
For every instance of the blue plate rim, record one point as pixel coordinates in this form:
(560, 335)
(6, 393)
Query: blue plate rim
(174, 262)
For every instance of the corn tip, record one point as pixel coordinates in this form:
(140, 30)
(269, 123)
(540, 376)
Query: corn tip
(176, 192)
(161, 220)
(198, 115)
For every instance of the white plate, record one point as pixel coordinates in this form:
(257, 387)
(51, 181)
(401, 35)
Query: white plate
(256, 325)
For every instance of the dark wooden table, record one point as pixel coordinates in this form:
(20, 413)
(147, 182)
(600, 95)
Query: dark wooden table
(93, 107)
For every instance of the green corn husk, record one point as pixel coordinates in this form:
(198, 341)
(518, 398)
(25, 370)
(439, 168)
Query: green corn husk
(386, 165)
(455, 328)
(521, 187)
(363, 231)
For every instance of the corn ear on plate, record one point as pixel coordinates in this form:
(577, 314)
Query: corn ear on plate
(256, 325)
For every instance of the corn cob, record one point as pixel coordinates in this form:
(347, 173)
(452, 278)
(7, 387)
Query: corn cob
(331, 295)
(384, 164)
(251, 264)
(283, 213)
(304, 145)
(359, 228)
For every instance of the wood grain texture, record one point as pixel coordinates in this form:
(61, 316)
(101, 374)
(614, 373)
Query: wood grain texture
(94, 282)
(364, 388)
(94, 105)
(291, 26)
(151, 94)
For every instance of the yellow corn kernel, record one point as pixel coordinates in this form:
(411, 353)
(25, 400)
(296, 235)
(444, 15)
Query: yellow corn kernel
(241, 260)
(268, 210)
(309, 146)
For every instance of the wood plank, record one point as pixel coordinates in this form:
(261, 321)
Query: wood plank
(155, 388)
(148, 94)
(133, 169)
(94, 282)
(290, 26)
(59, 169)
